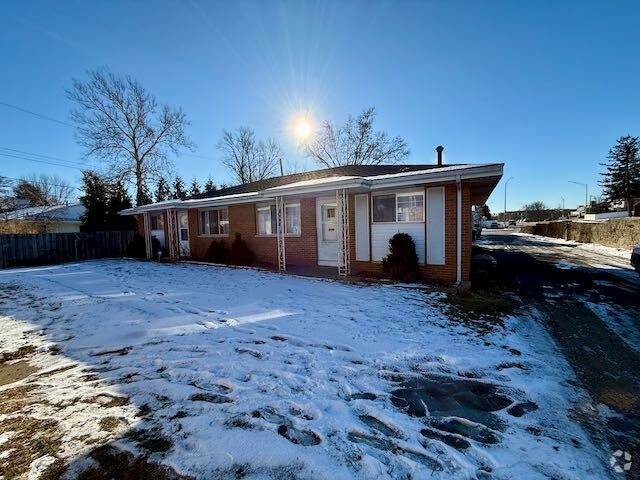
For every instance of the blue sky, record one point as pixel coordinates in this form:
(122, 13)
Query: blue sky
(545, 87)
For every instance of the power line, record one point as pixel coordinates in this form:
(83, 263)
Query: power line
(37, 160)
(31, 154)
(39, 115)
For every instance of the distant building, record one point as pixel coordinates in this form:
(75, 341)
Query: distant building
(46, 219)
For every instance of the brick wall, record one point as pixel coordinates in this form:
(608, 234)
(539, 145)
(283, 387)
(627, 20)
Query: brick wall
(302, 250)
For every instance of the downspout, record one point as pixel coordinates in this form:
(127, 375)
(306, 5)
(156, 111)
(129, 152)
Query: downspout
(459, 231)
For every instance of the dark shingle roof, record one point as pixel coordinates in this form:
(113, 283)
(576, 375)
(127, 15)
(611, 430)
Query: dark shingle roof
(346, 171)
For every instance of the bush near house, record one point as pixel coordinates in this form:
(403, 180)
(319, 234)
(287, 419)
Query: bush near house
(240, 253)
(402, 261)
(138, 249)
(217, 252)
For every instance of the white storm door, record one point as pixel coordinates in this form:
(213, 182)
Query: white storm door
(183, 232)
(327, 226)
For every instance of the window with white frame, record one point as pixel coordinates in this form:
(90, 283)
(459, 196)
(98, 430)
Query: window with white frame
(214, 221)
(266, 220)
(157, 221)
(398, 207)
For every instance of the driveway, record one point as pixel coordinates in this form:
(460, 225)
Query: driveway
(112, 368)
(589, 298)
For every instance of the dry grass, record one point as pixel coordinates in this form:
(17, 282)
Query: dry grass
(32, 438)
(20, 353)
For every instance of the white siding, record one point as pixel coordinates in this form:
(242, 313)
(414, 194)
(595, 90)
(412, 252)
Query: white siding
(362, 228)
(382, 232)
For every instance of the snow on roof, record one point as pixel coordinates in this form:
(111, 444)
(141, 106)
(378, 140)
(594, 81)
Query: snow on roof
(52, 212)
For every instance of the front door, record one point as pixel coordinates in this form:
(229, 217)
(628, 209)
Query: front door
(327, 225)
(183, 232)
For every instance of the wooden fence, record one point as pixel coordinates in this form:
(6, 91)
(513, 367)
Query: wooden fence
(47, 248)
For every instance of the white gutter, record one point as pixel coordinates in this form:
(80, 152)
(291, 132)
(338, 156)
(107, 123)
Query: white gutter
(459, 230)
(445, 174)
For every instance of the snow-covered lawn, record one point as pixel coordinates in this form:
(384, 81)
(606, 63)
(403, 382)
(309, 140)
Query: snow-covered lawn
(237, 372)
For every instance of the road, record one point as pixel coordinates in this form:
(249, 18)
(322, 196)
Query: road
(590, 303)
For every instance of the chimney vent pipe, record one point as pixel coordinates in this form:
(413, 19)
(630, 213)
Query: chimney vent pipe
(439, 149)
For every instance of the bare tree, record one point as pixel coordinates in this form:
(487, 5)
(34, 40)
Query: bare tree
(7, 200)
(247, 158)
(122, 124)
(42, 190)
(535, 211)
(355, 143)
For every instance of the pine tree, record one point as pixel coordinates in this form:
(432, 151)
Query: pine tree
(209, 186)
(163, 192)
(195, 188)
(119, 200)
(622, 178)
(178, 189)
(95, 201)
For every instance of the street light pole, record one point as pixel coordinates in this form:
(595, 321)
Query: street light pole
(586, 192)
(505, 198)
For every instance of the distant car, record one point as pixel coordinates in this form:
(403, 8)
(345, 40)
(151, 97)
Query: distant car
(512, 223)
(635, 258)
(494, 224)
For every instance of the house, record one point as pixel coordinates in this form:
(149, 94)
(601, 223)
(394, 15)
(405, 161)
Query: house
(340, 217)
(44, 219)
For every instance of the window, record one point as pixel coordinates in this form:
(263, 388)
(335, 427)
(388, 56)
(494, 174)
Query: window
(292, 219)
(266, 219)
(384, 208)
(410, 207)
(400, 207)
(157, 221)
(214, 222)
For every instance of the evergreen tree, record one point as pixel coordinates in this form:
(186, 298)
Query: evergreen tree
(144, 195)
(119, 200)
(95, 201)
(163, 192)
(195, 188)
(209, 186)
(622, 178)
(485, 211)
(179, 191)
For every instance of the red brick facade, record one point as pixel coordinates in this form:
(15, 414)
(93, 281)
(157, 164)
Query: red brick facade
(302, 250)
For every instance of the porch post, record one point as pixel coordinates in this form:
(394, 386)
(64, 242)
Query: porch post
(280, 228)
(344, 252)
(147, 234)
(172, 232)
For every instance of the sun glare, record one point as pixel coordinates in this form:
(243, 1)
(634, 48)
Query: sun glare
(303, 129)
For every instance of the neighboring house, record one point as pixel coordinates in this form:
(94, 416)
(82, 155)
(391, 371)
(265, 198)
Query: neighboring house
(46, 219)
(341, 217)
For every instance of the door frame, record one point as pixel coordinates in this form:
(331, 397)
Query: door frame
(320, 201)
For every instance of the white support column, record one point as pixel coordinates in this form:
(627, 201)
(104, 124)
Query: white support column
(344, 252)
(172, 231)
(280, 229)
(147, 234)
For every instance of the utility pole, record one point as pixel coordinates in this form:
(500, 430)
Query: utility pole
(586, 192)
(505, 198)
(562, 213)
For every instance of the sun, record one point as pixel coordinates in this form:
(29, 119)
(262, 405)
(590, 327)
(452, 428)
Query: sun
(303, 129)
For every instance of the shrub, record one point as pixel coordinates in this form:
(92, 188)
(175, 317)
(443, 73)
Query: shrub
(217, 252)
(138, 249)
(240, 253)
(402, 261)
